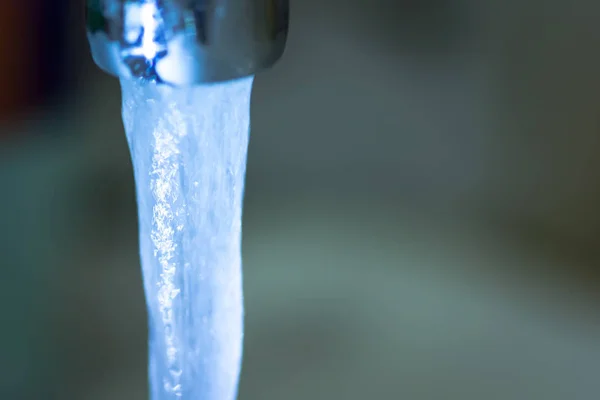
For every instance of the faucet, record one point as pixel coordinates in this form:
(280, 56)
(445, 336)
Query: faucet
(186, 42)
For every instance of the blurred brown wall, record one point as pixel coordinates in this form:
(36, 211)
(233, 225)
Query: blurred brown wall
(34, 55)
(14, 59)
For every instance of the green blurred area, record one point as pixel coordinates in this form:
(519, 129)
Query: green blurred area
(421, 221)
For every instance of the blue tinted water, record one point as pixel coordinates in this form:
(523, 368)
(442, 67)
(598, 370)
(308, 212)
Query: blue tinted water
(189, 149)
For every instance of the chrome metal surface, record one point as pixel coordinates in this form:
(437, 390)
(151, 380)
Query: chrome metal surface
(186, 42)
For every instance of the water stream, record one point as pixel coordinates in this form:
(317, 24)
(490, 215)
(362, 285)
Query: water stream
(189, 149)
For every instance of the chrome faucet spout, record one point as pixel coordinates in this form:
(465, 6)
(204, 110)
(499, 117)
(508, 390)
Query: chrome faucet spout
(186, 42)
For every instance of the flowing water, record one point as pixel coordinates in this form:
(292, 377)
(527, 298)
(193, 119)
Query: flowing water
(189, 149)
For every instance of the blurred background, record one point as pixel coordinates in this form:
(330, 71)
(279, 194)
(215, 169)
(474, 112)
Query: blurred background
(422, 207)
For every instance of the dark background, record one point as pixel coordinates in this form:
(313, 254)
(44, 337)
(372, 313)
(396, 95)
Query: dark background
(422, 208)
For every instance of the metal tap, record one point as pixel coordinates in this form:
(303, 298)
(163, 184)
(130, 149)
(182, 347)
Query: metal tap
(186, 42)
